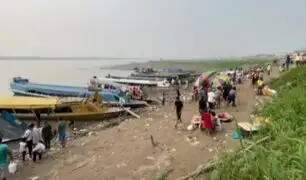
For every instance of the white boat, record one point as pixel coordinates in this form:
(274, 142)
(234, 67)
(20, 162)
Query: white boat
(135, 82)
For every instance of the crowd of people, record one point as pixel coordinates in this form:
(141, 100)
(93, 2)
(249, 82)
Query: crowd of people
(34, 143)
(211, 96)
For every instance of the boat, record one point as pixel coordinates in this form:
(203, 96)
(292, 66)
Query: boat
(22, 86)
(135, 77)
(10, 129)
(136, 82)
(51, 109)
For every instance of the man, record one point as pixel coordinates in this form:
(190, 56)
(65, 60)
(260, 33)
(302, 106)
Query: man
(46, 133)
(202, 105)
(5, 153)
(62, 127)
(211, 98)
(288, 61)
(269, 69)
(179, 107)
(28, 134)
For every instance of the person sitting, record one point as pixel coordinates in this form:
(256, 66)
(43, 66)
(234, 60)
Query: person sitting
(207, 122)
(216, 121)
(38, 150)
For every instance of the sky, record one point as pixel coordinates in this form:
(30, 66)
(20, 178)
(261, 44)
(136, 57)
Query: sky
(151, 28)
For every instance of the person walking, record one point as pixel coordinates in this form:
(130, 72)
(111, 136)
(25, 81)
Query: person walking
(179, 107)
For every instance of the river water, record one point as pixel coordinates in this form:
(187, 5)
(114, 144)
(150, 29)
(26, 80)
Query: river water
(64, 72)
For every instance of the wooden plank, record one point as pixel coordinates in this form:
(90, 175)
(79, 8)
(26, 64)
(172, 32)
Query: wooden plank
(132, 113)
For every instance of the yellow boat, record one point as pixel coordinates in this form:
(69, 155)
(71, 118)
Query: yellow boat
(27, 108)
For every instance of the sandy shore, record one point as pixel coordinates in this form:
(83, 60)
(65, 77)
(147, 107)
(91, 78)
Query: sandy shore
(125, 151)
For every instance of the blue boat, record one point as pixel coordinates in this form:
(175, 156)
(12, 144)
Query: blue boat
(23, 87)
(10, 128)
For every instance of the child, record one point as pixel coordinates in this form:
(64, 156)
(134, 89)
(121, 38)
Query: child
(38, 150)
(22, 148)
(216, 121)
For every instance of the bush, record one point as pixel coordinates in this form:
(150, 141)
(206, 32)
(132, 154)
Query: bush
(284, 155)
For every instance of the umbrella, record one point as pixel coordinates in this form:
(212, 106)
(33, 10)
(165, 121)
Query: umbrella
(204, 76)
(217, 83)
(224, 78)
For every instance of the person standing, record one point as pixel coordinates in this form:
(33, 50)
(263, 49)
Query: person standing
(211, 98)
(202, 105)
(36, 134)
(62, 127)
(46, 133)
(268, 69)
(5, 153)
(163, 98)
(179, 107)
(29, 138)
(288, 61)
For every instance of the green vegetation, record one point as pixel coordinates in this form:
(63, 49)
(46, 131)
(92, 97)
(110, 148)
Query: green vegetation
(210, 64)
(283, 156)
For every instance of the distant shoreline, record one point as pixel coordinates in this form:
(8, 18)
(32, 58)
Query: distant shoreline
(65, 58)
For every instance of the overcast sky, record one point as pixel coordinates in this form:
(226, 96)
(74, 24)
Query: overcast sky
(151, 28)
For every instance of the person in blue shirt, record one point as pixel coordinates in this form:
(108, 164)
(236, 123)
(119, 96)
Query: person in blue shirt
(4, 154)
(62, 127)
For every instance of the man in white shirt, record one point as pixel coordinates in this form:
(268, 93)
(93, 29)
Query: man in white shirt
(36, 135)
(211, 99)
(269, 69)
(28, 135)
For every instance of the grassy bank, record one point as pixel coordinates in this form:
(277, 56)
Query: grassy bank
(200, 65)
(284, 155)
(209, 64)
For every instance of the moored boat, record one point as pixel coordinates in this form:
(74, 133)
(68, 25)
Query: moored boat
(27, 108)
(22, 86)
(149, 83)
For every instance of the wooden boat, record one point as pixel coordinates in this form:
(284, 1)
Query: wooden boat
(22, 86)
(51, 109)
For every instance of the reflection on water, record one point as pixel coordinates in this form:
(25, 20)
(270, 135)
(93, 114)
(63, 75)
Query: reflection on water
(65, 72)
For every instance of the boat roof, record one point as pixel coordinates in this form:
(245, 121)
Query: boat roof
(20, 102)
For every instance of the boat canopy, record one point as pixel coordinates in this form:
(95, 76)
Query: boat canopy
(16, 102)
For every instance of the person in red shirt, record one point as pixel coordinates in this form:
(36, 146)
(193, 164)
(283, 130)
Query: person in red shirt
(207, 122)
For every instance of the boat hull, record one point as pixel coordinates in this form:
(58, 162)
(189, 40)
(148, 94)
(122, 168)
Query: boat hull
(133, 105)
(88, 116)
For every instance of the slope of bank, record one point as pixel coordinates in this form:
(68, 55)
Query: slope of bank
(283, 155)
(199, 65)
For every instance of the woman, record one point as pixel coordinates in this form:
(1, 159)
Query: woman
(207, 122)
(62, 132)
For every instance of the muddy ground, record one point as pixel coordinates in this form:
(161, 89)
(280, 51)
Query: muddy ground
(125, 151)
